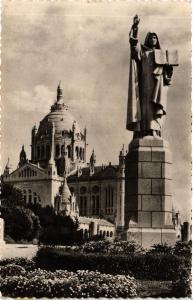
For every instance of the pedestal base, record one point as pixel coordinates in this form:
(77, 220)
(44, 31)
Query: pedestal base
(148, 192)
(147, 237)
(2, 231)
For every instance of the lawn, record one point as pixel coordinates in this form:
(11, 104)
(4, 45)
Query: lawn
(154, 289)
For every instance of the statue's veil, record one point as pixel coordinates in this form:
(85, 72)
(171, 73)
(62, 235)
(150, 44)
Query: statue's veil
(146, 43)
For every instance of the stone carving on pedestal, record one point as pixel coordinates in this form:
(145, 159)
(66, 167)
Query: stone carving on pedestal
(148, 192)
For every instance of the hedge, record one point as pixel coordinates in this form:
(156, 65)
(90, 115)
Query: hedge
(141, 266)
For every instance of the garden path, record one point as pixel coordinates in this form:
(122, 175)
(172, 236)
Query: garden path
(18, 250)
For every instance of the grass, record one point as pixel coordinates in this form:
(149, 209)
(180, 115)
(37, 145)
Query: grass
(154, 288)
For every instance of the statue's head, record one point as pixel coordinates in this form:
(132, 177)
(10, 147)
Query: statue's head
(151, 41)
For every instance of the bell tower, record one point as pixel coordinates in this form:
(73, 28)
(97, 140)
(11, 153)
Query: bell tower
(22, 157)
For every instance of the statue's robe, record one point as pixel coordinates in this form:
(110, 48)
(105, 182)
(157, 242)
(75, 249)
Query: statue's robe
(147, 95)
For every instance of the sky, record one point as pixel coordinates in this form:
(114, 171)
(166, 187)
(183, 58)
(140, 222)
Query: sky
(85, 44)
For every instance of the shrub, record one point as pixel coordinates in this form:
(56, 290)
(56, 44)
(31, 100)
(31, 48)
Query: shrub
(59, 236)
(112, 247)
(182, 286)
(161, 248)
(68, 284)
(141, 266)
(27, 264)
(57, 229)
(11, 270)
(183, 249)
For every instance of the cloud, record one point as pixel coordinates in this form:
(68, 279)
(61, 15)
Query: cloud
(39, 99)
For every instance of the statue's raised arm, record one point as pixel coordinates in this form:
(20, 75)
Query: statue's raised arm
(134, 28)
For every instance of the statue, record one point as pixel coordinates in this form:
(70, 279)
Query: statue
(151, 71)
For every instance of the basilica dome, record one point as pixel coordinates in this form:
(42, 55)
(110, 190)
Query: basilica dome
(61, 117)
(58, 135)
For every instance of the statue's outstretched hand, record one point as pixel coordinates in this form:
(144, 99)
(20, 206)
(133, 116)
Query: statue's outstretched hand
(134, 28)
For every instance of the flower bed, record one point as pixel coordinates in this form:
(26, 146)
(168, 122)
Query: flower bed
(27, 264)
(41, 283)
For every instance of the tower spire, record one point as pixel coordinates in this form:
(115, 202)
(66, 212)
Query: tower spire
(22, 157)
(7, 168)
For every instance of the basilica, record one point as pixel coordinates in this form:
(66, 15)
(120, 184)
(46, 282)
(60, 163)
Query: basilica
(59, 175)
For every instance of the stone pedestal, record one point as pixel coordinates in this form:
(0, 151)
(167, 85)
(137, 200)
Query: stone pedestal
(2, 242)
(2, 231)
(148, 192)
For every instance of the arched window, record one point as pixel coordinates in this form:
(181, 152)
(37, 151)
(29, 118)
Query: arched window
(83, 190)
(77, 152)
(95, 200)
(29, 197)
(111, 234)
(109, 200)
(35, 198)
(38, 152)
(86, 234)
(80, 153)
(72, 190)
(69, 151)
(42, 151)
(57, 150)
(24, 196)
(95, 189)
(83, 157)
(47, 152)
(95, 204)
(83, 205)
(62, 149)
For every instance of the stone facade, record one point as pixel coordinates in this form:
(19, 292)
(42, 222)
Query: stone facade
(100, 194)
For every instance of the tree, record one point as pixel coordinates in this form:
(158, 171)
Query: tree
(63, 231)
(11, 196)
(20, 223)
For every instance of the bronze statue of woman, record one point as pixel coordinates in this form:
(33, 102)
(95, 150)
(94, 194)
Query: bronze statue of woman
(149, 77)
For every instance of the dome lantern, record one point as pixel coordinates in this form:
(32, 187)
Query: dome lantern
(59, 93)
